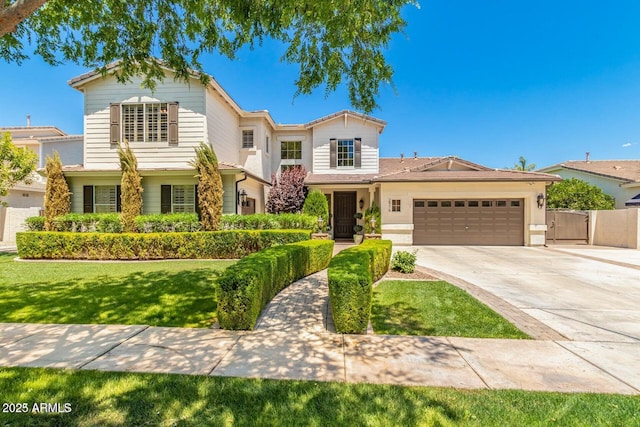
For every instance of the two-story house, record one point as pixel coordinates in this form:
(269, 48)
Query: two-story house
(423, 200)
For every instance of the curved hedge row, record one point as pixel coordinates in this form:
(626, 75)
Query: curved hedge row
(351, 276)
(145, 246)
(245, 288)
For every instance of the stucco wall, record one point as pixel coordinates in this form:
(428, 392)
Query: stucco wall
(14, 221)
(619, 228)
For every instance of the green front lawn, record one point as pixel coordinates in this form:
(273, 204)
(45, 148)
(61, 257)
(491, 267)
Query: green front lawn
(166, 293)
(403, 307)
(126, 399)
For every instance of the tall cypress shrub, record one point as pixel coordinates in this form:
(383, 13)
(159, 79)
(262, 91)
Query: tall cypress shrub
(131, 188)
(57, 197)
(209, 187)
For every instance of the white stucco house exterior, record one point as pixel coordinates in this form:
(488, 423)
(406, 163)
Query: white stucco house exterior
(424, 200)
(617, 178)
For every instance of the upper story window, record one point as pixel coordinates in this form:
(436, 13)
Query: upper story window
(247, 139)
(291, 150)
(267, 143)
(345, 152)
(144, 122)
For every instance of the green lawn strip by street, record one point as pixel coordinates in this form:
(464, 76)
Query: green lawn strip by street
(131, 399)
(166, 293)
(435, 308)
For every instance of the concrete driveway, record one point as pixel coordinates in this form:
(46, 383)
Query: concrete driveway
(583, 299)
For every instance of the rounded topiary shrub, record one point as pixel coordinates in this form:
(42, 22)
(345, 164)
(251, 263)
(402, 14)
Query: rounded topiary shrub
(404, 262)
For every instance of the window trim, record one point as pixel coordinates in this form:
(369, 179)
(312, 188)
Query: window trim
(253, 139)
(351, 154)
(161, 115)
(395, 205)
(167, 205)
(93, 205)
(288, 150)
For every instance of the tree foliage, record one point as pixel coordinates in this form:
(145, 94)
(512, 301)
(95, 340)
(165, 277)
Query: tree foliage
(131, 189)
(316, 205)
(331, 41)
(16, 164)
(579, 195)
(287, 192)
(209, 187)
(57, 197)
(522, 165)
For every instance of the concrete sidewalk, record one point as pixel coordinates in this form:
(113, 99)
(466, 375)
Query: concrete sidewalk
(293, 341)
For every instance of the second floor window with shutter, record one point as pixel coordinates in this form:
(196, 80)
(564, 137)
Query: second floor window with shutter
(247, 139)
(345, 153)
(145, 122)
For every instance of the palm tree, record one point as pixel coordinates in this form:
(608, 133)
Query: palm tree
(522, 165)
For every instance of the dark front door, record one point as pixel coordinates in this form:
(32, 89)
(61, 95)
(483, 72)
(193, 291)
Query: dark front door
(344, 207)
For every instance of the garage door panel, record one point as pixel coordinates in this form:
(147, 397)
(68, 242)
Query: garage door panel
(469, 222)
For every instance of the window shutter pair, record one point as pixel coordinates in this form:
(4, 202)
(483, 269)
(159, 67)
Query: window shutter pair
(172, 123)
(357, 153)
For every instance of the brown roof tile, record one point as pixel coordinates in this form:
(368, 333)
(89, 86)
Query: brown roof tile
(625, 170)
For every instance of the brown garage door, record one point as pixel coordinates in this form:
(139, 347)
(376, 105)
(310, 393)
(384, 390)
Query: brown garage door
(468, 222)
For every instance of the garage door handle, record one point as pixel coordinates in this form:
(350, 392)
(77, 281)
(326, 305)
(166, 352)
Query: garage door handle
(466, 228)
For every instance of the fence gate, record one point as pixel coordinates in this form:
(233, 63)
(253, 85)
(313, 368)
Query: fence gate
(565, 226)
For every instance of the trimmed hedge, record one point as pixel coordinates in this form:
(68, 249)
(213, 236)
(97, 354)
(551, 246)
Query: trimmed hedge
(88, 223)
(351, 276)
(35, 223)
(177, 222)
(284, 221)
(168, 223)
(144, 246)
(245, 288)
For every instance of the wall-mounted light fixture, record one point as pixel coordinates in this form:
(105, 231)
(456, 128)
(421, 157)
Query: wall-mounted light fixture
(242, 196)
(540, 201)
(361, 203)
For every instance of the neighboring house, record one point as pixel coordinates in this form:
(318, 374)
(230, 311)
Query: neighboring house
(618, 178)
(43, 140)
(24, 200)
(423, 200)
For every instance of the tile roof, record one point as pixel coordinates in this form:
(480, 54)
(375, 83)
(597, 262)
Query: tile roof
(625, 170)
(424, 169)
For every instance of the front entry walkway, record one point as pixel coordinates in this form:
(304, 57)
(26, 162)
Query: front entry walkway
(291, 341)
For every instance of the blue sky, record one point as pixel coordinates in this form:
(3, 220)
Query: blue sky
(488, 81)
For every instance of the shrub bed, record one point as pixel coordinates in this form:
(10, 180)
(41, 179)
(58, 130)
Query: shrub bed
(351, 276)
(245, 288)
(144, 246)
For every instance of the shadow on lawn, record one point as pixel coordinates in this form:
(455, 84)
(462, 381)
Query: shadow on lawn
(102, 398)
(398, 318)
(158, 298)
